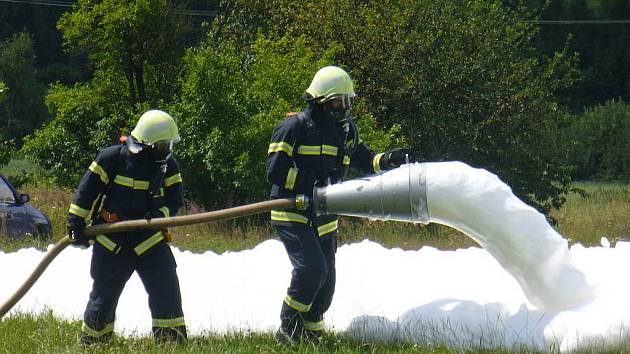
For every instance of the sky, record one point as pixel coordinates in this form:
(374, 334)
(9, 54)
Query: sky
(525, 287)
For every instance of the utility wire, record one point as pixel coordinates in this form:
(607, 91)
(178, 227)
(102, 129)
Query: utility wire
(576, 22)
(215, 13)
(69, 4)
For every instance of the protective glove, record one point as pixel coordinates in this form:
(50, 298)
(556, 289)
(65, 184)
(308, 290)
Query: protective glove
(396, 157)
(78, 237)
(155, 213)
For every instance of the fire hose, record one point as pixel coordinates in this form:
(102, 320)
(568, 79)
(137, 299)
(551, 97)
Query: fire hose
(159, 223)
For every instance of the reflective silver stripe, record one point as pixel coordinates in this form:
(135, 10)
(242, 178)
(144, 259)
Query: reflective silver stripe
(310, 150)
(106, 242)
(327, 228)
(281, 146)
(94, 333)
(291, 176)
(329, 150)
(169, 322)
(131, 183)
(296, 305)
(96, 168)
(346, 160)
(165, 211)
(78, 211)
(148, 243)
(313, 326)
(286, 216)
(176, 178)
(376, 163)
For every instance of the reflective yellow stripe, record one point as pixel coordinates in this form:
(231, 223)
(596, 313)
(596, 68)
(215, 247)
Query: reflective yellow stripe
(124, 181)
(313, 326)
(309, 150)
(291, 176)
(148, 243)
(327, 228)
(176, 178)
(96, 168)
(296, 305)
(281, 146)
(329, 150)
(169, 322)
(165, 211)
(286, 216)
(78, 211)
(376, 163)
(94, 333)
(131, 183)
(106, 242)
(346, 160)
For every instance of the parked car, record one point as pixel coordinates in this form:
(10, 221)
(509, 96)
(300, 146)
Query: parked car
(17, 218)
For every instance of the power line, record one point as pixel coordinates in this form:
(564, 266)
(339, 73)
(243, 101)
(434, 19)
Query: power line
(576, 22)
(69, 4)
(45, 3)
(215, 13)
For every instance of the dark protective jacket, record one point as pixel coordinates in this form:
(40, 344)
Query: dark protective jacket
(307, 149)
(124, 179)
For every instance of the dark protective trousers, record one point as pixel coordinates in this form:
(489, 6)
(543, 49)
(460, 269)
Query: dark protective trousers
(313, 260)
(157, 270)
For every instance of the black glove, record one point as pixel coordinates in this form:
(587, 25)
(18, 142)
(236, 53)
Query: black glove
(396, 157)
(78, 237)
(155, 213)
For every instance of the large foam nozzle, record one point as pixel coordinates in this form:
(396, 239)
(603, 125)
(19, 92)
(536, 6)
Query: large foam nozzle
(399, 194)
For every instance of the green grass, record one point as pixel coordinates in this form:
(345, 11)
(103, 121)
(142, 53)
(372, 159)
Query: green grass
(603, 211)
(26, 333)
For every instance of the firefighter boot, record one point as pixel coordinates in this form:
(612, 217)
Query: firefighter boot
(164, 335)
(291, 326)
(88, 340)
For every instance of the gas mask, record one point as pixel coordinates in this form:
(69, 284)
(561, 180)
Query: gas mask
(339, 110)
(158, 152)
(162, 150)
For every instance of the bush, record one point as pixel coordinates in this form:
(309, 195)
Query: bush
(460, 80)
(86, 118)
(598, 142)
(231, 101)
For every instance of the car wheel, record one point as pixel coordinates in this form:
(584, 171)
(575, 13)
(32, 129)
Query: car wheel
(42, 234)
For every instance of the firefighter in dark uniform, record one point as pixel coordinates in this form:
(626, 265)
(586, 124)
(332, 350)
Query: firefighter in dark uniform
(315, 147)
(133, 180)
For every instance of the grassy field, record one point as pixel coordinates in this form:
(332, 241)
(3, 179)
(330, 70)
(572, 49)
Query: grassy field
(602, 211)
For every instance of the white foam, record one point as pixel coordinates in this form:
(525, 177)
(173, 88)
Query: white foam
(525, 287)
(477, 203)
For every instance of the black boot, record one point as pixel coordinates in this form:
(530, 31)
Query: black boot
(291, 326)
(87, 340)
(312, 336)
(170, 334)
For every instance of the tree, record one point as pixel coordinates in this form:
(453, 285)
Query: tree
(461, 78)
(22, 108)
(231, 101)
(87, 117)
(140, 40)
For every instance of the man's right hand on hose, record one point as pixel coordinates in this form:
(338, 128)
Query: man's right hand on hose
(78, 237)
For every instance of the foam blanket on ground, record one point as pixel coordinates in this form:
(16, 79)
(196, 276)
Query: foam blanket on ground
(462, 298)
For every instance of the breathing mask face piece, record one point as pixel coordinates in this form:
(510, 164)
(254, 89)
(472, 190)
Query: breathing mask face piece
(162, 150)
(338, 109)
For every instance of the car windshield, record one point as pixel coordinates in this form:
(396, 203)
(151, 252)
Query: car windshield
(6, 194)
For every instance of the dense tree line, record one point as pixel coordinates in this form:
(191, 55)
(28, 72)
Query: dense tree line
(475, 80)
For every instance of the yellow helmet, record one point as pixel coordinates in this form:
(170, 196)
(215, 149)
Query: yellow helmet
(330, 82)
(155, 126)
